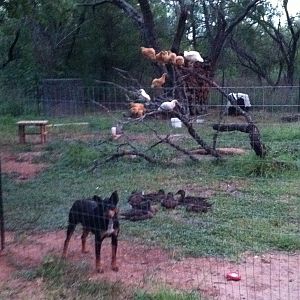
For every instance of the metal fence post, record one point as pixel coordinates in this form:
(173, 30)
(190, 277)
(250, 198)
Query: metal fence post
(1, 212)
(298, 104)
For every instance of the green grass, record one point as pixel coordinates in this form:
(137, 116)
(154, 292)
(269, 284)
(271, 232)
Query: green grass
(260, 214)
(165, 294)
(64, 280)
(259, 218)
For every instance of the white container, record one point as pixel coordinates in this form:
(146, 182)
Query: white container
(113, 131)
(176, 123)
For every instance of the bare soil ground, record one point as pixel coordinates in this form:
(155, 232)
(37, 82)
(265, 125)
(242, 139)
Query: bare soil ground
(267, 276)
(22, 165)
(263, 277)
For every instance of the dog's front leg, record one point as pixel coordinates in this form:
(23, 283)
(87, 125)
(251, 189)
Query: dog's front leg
(114, 247)
(98, 242)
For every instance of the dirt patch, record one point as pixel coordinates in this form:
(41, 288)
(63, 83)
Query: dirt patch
(268, 276)
(22, 165)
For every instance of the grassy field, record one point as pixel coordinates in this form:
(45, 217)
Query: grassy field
(256, 202)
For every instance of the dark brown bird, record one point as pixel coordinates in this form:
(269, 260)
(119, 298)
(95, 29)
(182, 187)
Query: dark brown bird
(156, 197)
(137, 215)
(139, 202)
(196, 200)
(198, 208)
(169, 202)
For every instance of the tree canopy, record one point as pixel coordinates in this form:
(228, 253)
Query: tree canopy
(87, 39)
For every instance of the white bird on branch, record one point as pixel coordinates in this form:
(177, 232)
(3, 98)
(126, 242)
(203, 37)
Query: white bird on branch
(193, 56)
(144, 95)
(168, 105)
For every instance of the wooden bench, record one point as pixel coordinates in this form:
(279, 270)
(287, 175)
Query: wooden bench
(38, 123)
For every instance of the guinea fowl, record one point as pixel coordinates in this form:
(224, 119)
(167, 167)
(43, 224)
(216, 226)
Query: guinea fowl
(169, 201)
(193, 200)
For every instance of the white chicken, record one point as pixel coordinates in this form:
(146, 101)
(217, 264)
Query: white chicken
(144, 95)
(193, 56)
(168, 105)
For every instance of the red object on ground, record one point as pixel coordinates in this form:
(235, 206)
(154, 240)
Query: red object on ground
(233, 276)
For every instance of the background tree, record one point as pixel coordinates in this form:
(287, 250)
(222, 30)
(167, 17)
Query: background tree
(86, 39)
(252, 48)
(220, 18)
(286, 37)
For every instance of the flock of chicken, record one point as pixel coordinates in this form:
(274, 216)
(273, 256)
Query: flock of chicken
(168, 57)
(144, 206)
(137, 110)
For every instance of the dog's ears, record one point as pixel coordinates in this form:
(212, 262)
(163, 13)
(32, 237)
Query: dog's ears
(114, 197)
(97, 198)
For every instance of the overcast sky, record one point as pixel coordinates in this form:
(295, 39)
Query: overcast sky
(293, 6)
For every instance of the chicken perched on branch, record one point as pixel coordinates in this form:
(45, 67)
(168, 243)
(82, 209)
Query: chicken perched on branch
(144, 96)
(162, 57)
(168, 105)
(193, 56)
(148, 53)
(159, 82)
(172, 57)
(137, 110)
(179, 61)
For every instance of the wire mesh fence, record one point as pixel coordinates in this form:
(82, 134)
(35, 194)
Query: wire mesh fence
(73, 97)
(239, 238)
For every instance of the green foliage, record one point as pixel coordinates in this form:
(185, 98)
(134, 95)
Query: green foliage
(63, 39)
(271, 169)
(6, 122)
(15, 103)
(8, 130)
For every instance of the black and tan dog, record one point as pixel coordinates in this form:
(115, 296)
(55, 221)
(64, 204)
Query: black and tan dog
(101, 218)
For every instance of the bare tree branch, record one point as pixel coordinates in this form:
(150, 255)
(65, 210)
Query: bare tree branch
(248, 60)
(129, 153)
(288, 44)
(181, 27)
(11, 54)
(178, 148)
(143, 20)
(220, 28)
(75, 34)
(254, 135)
